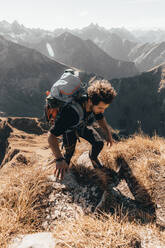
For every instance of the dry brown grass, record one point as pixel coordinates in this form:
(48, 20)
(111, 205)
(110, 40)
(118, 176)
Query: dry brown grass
(90, 232)
(21, 190)
(145, 158)
(135, 148)
(104, 232)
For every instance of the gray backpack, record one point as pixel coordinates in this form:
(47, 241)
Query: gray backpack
(67, 90)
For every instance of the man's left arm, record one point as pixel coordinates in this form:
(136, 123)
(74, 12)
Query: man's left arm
(104, 125)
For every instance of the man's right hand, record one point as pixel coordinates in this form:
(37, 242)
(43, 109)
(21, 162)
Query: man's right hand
(60, 170)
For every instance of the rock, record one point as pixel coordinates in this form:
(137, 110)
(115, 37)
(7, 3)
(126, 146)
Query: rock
(36, 240)
(5, 131)
(28, 125)
(84, 160)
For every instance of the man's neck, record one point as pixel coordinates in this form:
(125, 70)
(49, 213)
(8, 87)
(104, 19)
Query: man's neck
(88, 106)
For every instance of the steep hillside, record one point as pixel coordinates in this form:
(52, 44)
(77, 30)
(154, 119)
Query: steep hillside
(139, 103)
(147, 55)
(122, 203)
(85, 55)
(25, 75)
(117, 48)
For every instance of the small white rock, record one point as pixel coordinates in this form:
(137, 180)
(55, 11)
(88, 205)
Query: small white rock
(36, 240)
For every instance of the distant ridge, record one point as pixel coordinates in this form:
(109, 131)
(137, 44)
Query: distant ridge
(25, 75)
(85, 55)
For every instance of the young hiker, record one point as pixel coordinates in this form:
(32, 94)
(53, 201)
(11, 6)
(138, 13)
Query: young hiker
(67, 123)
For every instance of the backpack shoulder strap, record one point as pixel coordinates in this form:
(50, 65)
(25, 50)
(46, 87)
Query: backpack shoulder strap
(79, 109)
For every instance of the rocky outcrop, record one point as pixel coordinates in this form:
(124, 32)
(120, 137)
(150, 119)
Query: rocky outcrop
(8, 132)
(28, 125)
(5, 131)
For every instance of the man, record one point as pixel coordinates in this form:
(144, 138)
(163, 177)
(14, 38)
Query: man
(99, 96)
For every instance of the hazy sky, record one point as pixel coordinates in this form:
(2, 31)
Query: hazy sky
(51, 14)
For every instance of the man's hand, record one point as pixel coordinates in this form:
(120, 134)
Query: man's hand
(61, 169)
(109, 140)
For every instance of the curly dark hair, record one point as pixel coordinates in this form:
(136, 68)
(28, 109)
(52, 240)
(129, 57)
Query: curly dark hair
(101, 91)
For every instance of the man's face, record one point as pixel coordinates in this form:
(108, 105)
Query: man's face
(99, 108)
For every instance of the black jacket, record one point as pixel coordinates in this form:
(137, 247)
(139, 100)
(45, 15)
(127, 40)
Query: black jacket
(68, 118)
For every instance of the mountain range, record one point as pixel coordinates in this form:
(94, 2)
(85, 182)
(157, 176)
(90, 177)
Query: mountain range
(26, 74)
(118, 43)
(85, 55)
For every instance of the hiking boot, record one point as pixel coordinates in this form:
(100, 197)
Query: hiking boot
(96, 163)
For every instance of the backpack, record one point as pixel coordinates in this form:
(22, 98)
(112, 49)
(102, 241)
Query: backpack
(67, 90)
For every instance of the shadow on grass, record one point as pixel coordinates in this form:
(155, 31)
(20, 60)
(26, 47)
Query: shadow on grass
(141, 209)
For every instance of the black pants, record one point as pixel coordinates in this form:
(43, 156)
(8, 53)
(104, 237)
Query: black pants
(89, 134)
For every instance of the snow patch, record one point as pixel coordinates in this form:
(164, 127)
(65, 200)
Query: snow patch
(50, 49)
(96, 40)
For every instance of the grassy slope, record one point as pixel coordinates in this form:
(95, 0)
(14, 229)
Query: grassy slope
(22, 188)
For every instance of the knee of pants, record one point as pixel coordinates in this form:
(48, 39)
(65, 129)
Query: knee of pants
(99, 145)
(69, 151)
